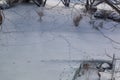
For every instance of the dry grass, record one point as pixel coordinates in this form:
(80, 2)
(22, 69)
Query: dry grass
(76, 20)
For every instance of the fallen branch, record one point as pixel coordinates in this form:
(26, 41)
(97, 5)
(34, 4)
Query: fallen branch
(112, 5)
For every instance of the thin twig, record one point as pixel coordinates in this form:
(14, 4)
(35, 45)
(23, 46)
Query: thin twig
(107, 54)
(109, 38)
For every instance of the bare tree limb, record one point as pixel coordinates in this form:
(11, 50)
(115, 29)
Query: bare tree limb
(112, 5)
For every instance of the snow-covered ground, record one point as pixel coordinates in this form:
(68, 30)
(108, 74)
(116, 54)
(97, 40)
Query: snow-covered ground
(34, 50)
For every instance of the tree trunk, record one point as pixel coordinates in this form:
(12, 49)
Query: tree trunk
(40, 3)
(66, 2)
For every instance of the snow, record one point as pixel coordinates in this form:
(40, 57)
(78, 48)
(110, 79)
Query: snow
(105, 65)
(32, 50)
(90, 74)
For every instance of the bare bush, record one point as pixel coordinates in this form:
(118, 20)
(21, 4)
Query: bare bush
(76, 20)
(40, 12)
(86, 66)
(90, 6)
(12, 2)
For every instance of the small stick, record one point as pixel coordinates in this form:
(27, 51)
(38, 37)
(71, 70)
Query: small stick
(1, 18)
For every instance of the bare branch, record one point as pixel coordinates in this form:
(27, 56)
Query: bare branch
(107, 54)
(109, 38)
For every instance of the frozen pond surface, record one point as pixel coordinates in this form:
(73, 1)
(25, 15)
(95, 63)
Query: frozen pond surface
(25, 43)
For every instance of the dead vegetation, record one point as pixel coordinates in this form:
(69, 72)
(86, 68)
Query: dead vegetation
(40, 12)
(97, 65)
(107, 14)
(1, 18)
(12, 2)
(77, 19)
(91, 7)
